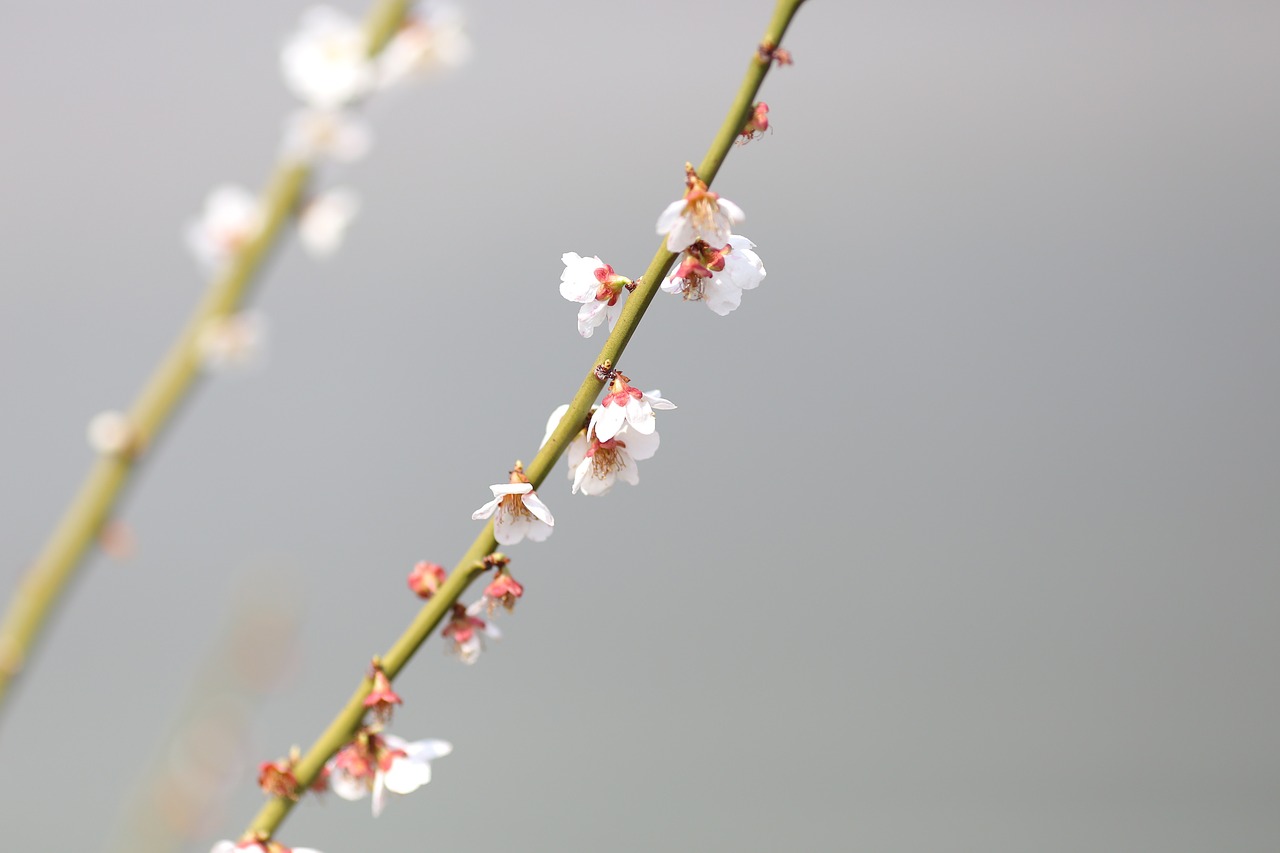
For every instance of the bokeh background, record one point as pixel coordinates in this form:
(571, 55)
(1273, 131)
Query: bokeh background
(963, 538)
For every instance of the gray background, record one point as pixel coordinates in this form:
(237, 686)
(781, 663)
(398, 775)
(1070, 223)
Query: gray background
(962, 539)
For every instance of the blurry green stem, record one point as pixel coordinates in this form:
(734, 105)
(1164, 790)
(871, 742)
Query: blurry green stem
(45, 581)
(471, 566)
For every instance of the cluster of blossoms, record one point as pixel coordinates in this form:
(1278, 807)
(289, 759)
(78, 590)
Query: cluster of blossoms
(466, 631)
(715, 265)
(329, 65)
(373, 763)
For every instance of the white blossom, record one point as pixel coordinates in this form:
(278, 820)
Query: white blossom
(594, 466)
(722, 290)
(312, 135)
(593, 283)
(700, 215)
(324, 221)
(110, 433)
(326, 61)
(519, 513)
(236, 341)
(629, 406)
(383, 763)
(432, 39)
(232, 217)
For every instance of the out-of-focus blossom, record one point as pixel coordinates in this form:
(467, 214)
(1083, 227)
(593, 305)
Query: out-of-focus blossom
(326, 61)
(324, 221)
(376, 763)
(431, 39)
(312, 135)
(231, 342)
(231, 218)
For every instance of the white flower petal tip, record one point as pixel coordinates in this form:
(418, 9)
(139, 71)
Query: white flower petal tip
(324, 221)
(326, 62)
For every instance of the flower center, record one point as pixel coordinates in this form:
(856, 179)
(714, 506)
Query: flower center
(513, 507)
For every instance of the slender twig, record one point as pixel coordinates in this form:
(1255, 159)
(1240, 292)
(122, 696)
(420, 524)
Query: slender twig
(472, 565)
(45, 581)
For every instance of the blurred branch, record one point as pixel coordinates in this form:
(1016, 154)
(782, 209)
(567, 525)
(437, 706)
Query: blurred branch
(45, 581)
(472, 565)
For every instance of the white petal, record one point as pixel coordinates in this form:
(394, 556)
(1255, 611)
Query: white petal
(683, 235)
(224, 847)
(379, 792)
(613, 312)
(580, 473)
(347, 786)
(629, 472)
(639, 445)
(731, 210)
(509, 529)
(577, 452)
(325, 220)
(671, 284)
(607, 420)
(554, 421)
(469, 652)
(486, 510)
(491, 630)
(655, 399)
(538, 530)
(406, 775)
(499, 489)
(590, 315)
(722, 296)
(596, 486)
(535, 505)
(640, 416)
(670, 216)
(428, 750)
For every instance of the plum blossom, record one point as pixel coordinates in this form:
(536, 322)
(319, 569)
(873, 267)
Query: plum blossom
(426, 578)
(277, 779)
(519, 511)
(431, 39)
(312, 135)
(593, 283)
(700, 215)
(626, 405)
(257, 845)
(231, 218)
(324, 221)
(233, 341)
(112, 434)
(466, 632)
(595, 465)
(326, 61)
(757, 123)
(381, 700)
(717, 276)
(380, 763)
(503, 590)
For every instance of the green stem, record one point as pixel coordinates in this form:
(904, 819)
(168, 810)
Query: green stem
(471, 566)
(45, 581)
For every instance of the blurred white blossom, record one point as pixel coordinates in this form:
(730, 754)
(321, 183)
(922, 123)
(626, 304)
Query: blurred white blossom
(326, 61)
(231, 218)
